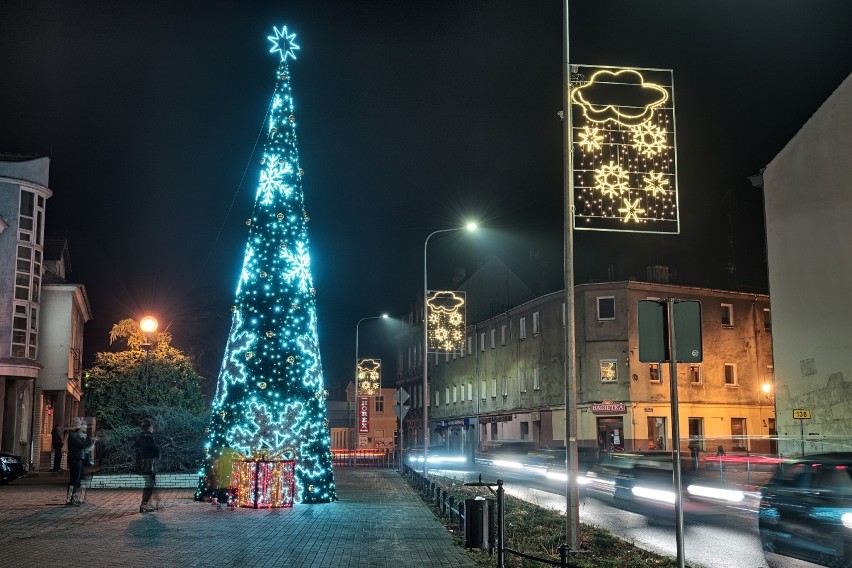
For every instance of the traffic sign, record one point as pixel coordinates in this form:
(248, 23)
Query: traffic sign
(801, 414)
(400, 410)
(401, 396)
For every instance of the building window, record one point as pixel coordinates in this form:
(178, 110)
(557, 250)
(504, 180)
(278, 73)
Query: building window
(483, 390)
(606, 308)
(727, 315)
(437, 397)
(446, 357)
(493, 338)
(656, 375)
(739, 434)
(730, 375)
(503, 335)
(536, 323)
(493, 388)
(447, 395)
(482, 341)
(522, 381)
(380, 404)
(470, 391)
(696, 431)
(525, 430)
(609, 370)
(767, 319)
(695, 374)
(536, 380)
(470, 345)
(563, 314)
(522, 328)
(505, 386)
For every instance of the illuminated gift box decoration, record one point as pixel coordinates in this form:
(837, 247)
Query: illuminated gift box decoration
(262, 484)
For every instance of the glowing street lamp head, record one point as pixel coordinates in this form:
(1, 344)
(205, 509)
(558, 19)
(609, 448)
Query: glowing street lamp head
(385, 316)
(766, 388)
(148, 324)
(471, 226)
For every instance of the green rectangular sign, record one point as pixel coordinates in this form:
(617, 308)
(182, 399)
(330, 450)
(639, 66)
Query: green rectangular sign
(654, 331)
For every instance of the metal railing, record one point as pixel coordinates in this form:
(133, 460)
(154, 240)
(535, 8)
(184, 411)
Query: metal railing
(372, 457)
(446, 503)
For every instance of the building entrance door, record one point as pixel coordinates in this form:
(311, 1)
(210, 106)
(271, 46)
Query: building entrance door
(611, 434)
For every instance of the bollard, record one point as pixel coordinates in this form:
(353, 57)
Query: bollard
(563, 556)
(450, 502)
(461, 515)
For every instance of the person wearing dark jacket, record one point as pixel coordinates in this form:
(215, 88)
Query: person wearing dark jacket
(78, 443)
(57, 441)
(147, 454)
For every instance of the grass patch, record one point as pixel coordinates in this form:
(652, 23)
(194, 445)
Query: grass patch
(538, 531)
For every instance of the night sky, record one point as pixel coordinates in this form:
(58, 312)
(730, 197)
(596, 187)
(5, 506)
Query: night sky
(412, 117)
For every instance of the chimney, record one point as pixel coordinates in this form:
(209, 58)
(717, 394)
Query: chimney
(657, 273)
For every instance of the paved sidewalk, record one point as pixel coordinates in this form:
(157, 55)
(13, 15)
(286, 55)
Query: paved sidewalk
(379, 521)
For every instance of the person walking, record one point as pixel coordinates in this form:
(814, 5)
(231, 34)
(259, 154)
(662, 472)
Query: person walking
(147, 455)
(78, 443)
(57, 441)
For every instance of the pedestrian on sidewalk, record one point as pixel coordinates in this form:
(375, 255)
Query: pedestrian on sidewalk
(78, 443)
(57, 440)
(147, 455)
(694, 448)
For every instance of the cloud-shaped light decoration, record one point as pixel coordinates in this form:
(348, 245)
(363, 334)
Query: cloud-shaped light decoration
(369, 375)
(621, 96)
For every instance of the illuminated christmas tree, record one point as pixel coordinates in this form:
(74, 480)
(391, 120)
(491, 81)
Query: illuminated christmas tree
(270, 396)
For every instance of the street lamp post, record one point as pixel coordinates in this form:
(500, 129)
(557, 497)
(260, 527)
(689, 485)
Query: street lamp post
(355, 428)
(147, 325)
(425, 398)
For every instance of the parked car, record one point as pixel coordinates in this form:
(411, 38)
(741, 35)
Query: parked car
(11, 467)
(806, 510)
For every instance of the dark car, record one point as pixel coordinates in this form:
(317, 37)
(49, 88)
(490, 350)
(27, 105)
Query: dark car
(11, 467)
(806, 510)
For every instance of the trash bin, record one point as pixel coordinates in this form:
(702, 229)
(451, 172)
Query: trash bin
(479, 523)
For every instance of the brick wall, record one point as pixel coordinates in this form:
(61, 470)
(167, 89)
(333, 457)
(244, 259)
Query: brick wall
(130, 480)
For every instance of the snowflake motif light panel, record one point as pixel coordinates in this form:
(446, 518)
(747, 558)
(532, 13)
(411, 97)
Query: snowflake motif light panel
(368, 373)
(624, 149)
(446, 321)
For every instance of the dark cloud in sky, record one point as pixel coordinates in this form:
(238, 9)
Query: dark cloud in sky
(413, 116)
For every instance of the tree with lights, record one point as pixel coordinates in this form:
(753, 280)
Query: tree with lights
(270, 398)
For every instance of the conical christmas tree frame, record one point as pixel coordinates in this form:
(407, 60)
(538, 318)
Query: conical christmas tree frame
(270, 397)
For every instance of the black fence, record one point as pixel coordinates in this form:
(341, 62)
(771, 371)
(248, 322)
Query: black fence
(454, 510)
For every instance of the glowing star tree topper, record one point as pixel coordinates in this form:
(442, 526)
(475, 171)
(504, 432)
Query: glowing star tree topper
(270, 398)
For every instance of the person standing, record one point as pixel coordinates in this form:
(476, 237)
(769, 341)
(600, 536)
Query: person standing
(694, 448)
(78, 443)
(57, 441)
(147, 455)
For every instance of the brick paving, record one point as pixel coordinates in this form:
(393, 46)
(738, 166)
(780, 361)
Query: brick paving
(379, 521)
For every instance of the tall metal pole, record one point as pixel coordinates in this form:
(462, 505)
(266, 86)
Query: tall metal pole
(572, 516)
(355, 432)
(425, 398)
(469, 227)
(678, 493)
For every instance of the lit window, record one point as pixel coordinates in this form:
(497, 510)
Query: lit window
(654, 372)
(606, 308)
(455, 395)
(470, 345)
(437, 397)
(609, 370)
(767, 319)
(727, 315)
